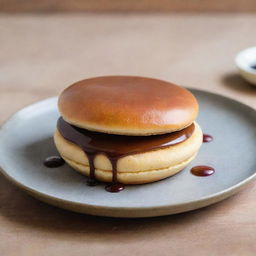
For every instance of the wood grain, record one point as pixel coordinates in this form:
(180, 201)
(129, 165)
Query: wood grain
(40, 55)
(13, 6)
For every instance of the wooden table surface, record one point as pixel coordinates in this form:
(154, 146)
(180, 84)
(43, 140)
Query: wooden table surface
(40, 55)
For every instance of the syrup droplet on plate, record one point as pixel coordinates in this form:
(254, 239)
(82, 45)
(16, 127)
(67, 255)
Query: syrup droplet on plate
(114, 187)
(207, 138)
(54, 161)
(202, 170)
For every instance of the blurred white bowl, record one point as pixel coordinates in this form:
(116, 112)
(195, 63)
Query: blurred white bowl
(246, 63)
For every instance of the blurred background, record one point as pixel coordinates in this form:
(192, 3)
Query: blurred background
(47, 45)
(127, 5)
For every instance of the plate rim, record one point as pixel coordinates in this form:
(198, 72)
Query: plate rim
(220, 195)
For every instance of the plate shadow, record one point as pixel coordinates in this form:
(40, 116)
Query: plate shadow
(235, 82)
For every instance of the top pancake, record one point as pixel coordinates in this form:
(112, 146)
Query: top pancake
(128, 105)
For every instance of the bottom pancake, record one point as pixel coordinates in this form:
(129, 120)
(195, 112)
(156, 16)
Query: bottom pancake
(136, 168)
(131, 177)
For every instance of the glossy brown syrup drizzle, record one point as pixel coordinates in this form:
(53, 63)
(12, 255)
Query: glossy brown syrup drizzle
(202, 170)
(117, 146)
(54, 161)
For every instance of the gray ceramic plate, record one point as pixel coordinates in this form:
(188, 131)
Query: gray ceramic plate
(26, 140)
